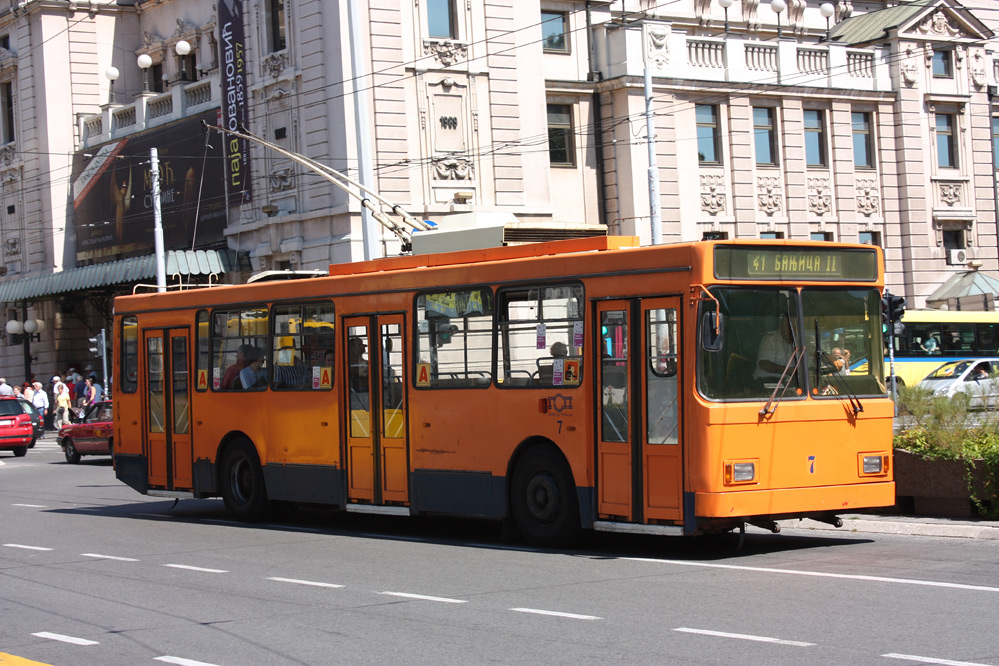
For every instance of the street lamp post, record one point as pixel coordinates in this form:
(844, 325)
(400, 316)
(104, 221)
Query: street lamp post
(112, 75)
(144, 62)
(27, 330)
(725, 4)
(827, 10)
(778, 6)
(183, 47)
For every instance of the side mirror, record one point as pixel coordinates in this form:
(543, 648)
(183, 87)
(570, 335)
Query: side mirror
(712, 330)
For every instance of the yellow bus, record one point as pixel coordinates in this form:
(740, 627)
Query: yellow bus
(676, 389)
(931, 338)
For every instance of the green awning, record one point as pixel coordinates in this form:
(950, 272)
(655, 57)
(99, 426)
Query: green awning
(125, 271)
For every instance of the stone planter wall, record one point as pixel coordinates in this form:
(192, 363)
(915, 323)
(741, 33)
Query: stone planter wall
(936, 487)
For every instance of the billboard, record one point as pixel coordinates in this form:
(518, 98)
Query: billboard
(112, 192)
(232, 56)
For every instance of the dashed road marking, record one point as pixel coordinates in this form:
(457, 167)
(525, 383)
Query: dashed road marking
(190, 568)
(424, 597)
(109, 557)
(180, 661)
(303, 582)
(21, 545)
(571, 616)
(64, 639)
(745, 637)
(31, 506)
(932, 660)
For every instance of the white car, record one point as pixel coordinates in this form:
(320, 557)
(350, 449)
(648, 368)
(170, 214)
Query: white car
(978, 377)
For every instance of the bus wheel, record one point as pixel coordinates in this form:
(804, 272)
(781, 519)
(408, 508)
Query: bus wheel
(243, 482)
(543, 499)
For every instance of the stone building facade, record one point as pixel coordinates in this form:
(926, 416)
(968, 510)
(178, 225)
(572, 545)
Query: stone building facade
(850, 121)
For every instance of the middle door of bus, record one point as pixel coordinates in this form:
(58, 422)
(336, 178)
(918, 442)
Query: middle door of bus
(167, 417)
(639, 446)
(377, 455)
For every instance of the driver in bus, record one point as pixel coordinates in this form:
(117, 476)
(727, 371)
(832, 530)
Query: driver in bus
(775, 351)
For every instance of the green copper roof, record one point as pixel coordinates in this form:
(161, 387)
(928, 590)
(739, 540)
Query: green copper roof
(873, 26)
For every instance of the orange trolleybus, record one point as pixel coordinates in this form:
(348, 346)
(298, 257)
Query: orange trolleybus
(675, 389)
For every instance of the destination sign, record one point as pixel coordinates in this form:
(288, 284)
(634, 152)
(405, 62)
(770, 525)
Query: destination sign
(757, 262)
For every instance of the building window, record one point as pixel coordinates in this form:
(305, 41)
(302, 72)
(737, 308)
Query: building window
(555, 31)
(275, 25)
(765, 135)
(942, 68)
(5, 42)
(187, 69)
(815, 138)
(6, 112)
(863, 143)
(708, 134)
(441, 19)
(953, 239)
(946, 141)
(869, 237)
(561, 148)
(771, 235)
(821, 236)
(995, 141)
(714, 235)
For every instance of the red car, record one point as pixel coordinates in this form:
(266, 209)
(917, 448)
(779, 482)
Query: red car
(91, 436)
(16, 431)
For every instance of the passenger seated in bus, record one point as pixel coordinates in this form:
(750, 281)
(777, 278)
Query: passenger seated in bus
(357, 364)
(290, 371)
(775, 351)
(253, 376)
(546, 367)
(929, 345)
(232, 372)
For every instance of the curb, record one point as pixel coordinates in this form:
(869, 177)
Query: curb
(896, 527)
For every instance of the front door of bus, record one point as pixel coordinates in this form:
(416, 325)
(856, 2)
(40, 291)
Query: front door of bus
(167, 415)
(639, 451)
(377, 441)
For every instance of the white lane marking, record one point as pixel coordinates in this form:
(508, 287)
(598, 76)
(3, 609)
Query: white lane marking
(425, 597)
(31, 506)
(65, 639)
(571, 616)
(820, 574)
(303, 582)
(745, 637)
(180, 661)
(190, 568)
(931, 660)
(19, 545)
(109, 557)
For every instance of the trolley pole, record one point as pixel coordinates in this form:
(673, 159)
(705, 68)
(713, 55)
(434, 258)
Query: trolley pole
(154, 166)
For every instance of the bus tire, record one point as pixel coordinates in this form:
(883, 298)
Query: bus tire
(242, 482)
(543, 499)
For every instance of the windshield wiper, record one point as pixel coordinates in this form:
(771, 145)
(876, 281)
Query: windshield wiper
(797, 354)
(842, 384)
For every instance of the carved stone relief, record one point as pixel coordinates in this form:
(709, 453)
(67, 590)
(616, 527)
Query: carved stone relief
(445, 51)
(712, 194)
(749, 8)
(282, 179)
(702, 10)
(658, 45)
(844, 9)
(977, 70)
(939, 24)
(769, 194)
(8, 154)
(796, 15)
(275, 63)
(909, 69)
(819, 196)
(950, 193)
(453, 167)
(868, 198)
(11, 247)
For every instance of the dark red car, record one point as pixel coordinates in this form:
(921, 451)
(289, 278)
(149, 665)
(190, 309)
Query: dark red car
(16, 431)
(90, 436)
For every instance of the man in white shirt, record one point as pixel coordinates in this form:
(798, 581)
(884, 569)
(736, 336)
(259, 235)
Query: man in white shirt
(775, 351)
(5, 388)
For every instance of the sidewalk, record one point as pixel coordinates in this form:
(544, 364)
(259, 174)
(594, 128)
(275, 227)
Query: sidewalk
(909, 525)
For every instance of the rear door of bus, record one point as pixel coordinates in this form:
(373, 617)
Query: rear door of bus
(639, 446)
(374, 392)
(167, 417)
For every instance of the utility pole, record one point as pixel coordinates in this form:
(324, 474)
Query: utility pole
(154, 165)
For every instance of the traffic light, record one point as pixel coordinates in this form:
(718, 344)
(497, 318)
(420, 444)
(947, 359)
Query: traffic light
(97, 345)
(896, 308)
(885, 311)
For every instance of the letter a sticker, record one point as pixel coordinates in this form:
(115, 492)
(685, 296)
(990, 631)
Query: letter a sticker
(325, 378)
(423, 374)
(202, 379)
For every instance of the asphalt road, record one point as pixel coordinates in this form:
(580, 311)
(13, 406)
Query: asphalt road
(93, 573)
